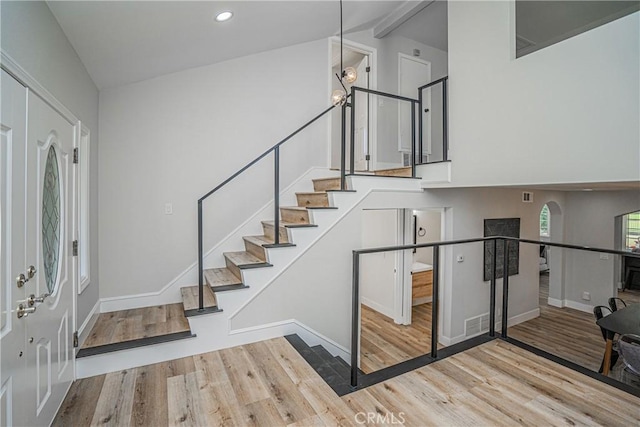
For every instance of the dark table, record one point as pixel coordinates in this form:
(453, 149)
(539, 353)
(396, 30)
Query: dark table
(623, 321)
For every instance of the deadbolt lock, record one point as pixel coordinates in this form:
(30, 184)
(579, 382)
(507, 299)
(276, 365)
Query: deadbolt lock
(31, 271)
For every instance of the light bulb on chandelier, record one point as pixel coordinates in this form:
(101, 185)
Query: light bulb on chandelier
(350, 75)
(338, 97)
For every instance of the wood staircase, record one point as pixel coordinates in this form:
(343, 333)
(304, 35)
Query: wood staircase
(229, 277)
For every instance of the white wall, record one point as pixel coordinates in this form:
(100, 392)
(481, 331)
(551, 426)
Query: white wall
(33, 38)
(590, 221)
(388, 49)
(173, 138)
(316, 289)
(378, 277)
(570, 110)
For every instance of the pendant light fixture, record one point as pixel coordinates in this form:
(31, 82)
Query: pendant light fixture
(349, 74)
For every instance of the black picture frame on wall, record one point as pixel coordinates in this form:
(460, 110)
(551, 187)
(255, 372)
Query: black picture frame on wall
(509, 227)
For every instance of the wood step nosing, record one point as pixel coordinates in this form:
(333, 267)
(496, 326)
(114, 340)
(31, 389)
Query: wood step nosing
(253, 265)
(225, 288)
(140, 342)
(207, 310)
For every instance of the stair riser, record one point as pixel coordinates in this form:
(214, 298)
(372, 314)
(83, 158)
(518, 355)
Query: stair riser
(294, 216)
(326, 184)
(233, 268)
(268, 230)
(395, 172)
(312, 200)
(255, 250)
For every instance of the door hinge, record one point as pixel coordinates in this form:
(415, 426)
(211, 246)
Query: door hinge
(75, 248)
(75, 155)
(75, 339)
(367, 157)
(368, 69)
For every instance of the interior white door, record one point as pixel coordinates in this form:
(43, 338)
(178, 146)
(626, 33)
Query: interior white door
(50, 216)
(13, 368)
(362, 134)
(413, 73)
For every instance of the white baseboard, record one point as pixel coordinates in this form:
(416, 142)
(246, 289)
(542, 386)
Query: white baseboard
(578, 306)
(555, 302)
(378, 307)
(447, 341)
(88, 323)
(520, 318)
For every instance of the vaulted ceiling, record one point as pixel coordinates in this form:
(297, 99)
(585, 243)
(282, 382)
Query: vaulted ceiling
(129, 41)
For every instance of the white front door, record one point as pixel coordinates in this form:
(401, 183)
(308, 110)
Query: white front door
(38, 193)
(50, 234)
(13, 372)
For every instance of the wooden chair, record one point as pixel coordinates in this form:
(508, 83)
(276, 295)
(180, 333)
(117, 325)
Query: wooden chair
(616, 303)
(599, 312)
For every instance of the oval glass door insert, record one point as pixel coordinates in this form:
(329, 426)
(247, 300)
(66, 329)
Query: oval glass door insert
(51, 219)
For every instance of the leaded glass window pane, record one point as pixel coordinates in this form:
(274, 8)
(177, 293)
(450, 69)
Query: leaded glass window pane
(51, 219)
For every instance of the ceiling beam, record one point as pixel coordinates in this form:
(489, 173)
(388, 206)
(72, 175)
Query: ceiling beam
(399, 16)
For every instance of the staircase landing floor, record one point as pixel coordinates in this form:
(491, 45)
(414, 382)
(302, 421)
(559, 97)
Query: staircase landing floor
(118, 330)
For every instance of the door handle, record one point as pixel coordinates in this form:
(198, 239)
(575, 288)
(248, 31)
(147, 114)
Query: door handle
(23, 311)
(31, 271)
(32, 300)
(21, 280)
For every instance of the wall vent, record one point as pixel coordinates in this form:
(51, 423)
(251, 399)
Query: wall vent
(527, 197)
(476, 325)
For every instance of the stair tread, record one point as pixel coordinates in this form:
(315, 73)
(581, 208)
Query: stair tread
(326, 179)
(294, 208)
(259, 240)
(221, 277)
(243, 258)
(190, 297)
(312, 193)
(403, 171)
(289, 224)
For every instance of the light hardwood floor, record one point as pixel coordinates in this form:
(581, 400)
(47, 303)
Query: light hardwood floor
(384, 343)
(128, 325)
(269, 384)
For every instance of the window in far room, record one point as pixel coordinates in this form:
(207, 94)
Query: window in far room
(544, 221)
(631, 231)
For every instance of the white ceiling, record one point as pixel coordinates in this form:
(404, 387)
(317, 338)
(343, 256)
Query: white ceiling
(429, 26)
(129, 41)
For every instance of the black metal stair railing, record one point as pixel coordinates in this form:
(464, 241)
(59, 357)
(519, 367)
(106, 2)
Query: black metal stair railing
(275, 149)
(506, 242)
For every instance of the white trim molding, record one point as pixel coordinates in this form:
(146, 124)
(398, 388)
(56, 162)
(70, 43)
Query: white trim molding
(8, 64)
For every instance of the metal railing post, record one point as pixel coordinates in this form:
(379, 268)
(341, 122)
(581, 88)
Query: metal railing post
(200, 260)
(352, 160)
(413, 139)
(420, 124)
(445, 123)
(505, 289)
(276, 195)
(435, 301)
(492, 302)
(343, 149)
(355, 319)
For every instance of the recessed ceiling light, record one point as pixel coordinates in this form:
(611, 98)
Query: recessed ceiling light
(587, 189)
(224, 16)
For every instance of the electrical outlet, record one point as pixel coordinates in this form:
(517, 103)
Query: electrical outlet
(586, 296)
(168, 209)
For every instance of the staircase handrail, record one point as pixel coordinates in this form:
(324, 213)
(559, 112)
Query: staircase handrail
(276, 198)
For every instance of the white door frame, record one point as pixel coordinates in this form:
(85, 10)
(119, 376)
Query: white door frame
(426, 103)
(372, 53)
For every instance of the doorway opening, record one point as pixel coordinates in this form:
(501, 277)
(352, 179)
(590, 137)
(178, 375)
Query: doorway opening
(362, 58)
(397, 287)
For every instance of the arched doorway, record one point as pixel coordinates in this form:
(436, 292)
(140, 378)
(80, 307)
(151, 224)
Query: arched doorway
(552, 230)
